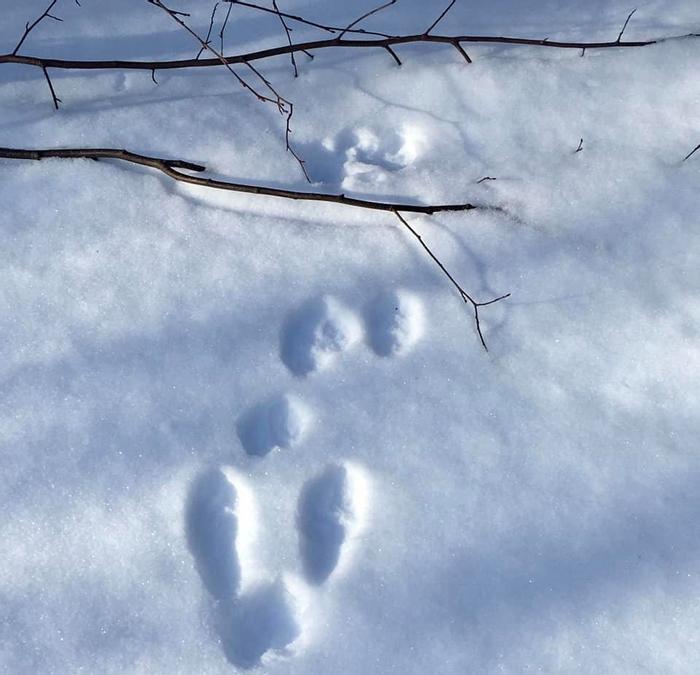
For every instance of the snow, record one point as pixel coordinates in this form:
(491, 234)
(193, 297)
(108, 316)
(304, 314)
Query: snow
(242, 433)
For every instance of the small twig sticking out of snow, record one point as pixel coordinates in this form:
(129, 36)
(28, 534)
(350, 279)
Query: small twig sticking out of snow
(619, 37)
(288, 32)
(207, 39)
(463, 294)
(691, 153)
(580, 146)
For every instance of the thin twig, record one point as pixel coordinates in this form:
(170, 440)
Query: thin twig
(441, 17)
(619, 37)
(223, 26)
(288, 33)
(301, 19)
(290, 147)
(691, 153)
(55, 98)
(211, 26)
(366, 15)
(393, 54)
(461, 50)
(463, 294)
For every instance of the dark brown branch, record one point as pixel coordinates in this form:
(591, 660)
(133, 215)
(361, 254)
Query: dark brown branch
(289, 38)
(28, 28)
(169, 166)
(463, 294)
(691, 153)
(112, 64)
(441, 17)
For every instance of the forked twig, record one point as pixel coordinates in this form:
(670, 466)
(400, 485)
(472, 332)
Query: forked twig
(29, 27)
(463, 294)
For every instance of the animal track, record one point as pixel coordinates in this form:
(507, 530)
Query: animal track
(220, 516)
(363, 156)
(212, 528)
(316, 333)
(265, 620)
(256, 619)
(396, 322)
(280, 422)
(331, 512)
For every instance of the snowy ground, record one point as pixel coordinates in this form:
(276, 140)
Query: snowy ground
(242, 432)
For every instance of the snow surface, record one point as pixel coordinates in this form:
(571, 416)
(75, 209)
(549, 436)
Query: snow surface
(240, 432)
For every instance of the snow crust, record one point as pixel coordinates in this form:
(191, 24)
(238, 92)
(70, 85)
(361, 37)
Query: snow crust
(242, 433)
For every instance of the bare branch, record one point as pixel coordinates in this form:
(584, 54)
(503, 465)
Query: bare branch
(169, 166)
(619, 37)
(463, 294)
(382, 43)
(29, 27)
(441, 17)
